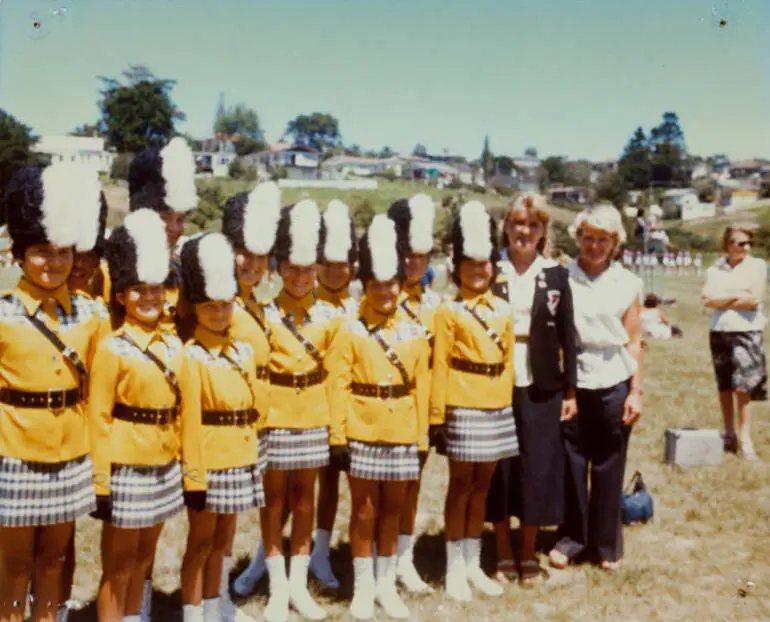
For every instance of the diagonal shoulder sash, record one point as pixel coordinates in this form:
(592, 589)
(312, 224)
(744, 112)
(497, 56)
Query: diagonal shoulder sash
(234, 366)
(265, 328)
(309, 347)
(165, 369)
(389, 352)
(496, 339)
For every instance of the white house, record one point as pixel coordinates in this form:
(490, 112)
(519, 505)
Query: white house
(215, 156)
(86, 150)
(299, 161)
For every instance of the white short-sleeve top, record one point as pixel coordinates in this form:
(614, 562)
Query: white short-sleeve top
(600, 304)
(724, 280)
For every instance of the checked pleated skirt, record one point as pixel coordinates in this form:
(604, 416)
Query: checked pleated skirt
(144, 496)
(475, 435)
(234, 490)
(290, 450)
(382, 462)
(34, 494)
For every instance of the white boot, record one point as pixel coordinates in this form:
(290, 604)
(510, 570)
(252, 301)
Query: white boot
(456, 580)
(227, 609)
(136, 618)
(299, 596)
(192, 613)
(374, 558)
(247, 581)
(476, 575)
(277, 609)
(320, 565)
(387, 594)
(406, 573)
(362, 605)
(211, 610)
(146, 611)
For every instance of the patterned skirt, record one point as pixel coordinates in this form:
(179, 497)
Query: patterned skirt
(475, 435)
(144, 496)
(739, 362)
(33, 494)
(381, 462)
(290, 450)
(262, 452)
(234, 490)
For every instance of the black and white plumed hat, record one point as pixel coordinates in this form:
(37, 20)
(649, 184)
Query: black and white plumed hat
(163, 179)
(208, 269)
(250, 219)
(340, 234)
(137, 251)
(300, 236)
(55, 205)
(474, 235)
(414, 223)
(378, 256)
(93, 236)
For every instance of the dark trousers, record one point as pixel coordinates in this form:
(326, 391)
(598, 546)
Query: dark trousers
(596, 442)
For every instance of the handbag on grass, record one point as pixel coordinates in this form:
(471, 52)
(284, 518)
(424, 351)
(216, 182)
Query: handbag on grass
(637, 504)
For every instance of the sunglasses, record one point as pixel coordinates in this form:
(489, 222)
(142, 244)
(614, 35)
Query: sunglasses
(742, 244)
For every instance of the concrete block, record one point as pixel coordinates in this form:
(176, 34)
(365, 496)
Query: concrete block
(693, 447)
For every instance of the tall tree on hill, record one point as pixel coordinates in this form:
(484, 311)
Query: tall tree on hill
(88, 130)
(319, 130)
(531, 152)
(669, 152)
(241, 124)
(487, 161)
(16, 142)
(635, 165)
(420, 150)
(386, 152)
(138, 112)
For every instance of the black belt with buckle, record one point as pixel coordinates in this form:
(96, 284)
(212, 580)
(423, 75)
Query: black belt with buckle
(482, 369)
(381, 391)
(54, 399)
(147, 416)
(263, 372)
(246, 416)
(298, 381)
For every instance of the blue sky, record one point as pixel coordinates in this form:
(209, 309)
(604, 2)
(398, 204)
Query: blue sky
(570, 77)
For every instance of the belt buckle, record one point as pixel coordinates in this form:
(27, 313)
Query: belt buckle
(300, 381)
(50, 397)
(491, 372)
(385, 392)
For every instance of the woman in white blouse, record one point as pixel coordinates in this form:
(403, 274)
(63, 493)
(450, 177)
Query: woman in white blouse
(735, 289)
(609, 391)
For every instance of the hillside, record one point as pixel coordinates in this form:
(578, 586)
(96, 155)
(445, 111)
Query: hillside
(712, 228)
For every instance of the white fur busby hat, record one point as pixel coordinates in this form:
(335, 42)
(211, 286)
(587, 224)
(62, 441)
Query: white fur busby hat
(163, 179)
(250, 219)
(55, 205)
(94, 232)
(300, 236)
(378, 257)
(208, 269)
(340, 234)
(474, 235)
(137, 251)
(414, 223)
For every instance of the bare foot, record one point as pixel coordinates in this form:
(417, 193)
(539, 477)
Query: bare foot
(557, 559)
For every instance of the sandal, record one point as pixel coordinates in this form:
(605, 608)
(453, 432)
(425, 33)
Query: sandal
(530, 572)
(558, 560)
(506, 572)
(609, 566)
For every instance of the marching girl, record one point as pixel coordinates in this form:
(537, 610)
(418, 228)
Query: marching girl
(609, 391)
(544, 361)
(48, 335)
(471, 416)
(221, 402)
(379, 385)
(296, 428)
(334, 275)
(414, 225)
(249, 222)
(133, 406)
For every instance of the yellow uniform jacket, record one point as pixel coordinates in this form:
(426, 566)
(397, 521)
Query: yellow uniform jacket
(341, 300)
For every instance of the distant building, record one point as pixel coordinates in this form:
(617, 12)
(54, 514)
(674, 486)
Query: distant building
(746, 169)
(567, 194)
(299, 161)
(216, 155)
(87, 150)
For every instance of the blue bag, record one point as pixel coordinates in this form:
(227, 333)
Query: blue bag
(637, 504)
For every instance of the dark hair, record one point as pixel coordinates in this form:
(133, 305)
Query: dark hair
(651, 301)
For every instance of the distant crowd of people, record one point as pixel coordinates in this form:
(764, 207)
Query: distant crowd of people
(681, 262)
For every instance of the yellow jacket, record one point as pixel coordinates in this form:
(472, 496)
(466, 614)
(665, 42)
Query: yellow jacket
(122, 374)
(210, 383)
(356, 357)
(29, 362)
(341, 300)
(459, 335)
(317, 321)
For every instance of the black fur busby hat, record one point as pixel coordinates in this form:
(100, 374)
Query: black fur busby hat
(378, 256)
(137, 251)
(250, 220)
(414, 223)
(301, 233)
(163, 179)
(208, 269)
(51, 205)
(474, 235)
(339, 244)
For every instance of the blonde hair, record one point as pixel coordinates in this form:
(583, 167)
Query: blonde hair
(742, 228)
(531, 203)
(604, 217)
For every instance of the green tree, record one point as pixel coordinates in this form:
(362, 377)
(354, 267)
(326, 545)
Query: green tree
(319, 130)
(138, 112)
(241, 121)
(245, 146)
(612, 188)
(420, 150)
(386, 152)
(88, 129)
(16, 142)
(635, 165)
(553, 171)
(531, 152)
(669, 152)
(487, 161)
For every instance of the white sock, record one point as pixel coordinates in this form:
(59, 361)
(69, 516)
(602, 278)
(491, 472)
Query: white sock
(63, 612)
(136, 618)
(278, 604)
(299, 594)
(456, 580)
(362, 605)
(321, 543)
(476, 575)
(146, 611)
(387, 594)
(192, 613)
(406, 546)
(211, 610)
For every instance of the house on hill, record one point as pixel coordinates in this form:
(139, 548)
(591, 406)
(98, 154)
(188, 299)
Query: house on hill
(216, 155)
(87, 150)
(300, 161)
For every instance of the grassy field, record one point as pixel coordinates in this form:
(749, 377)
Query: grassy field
(709, 537)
